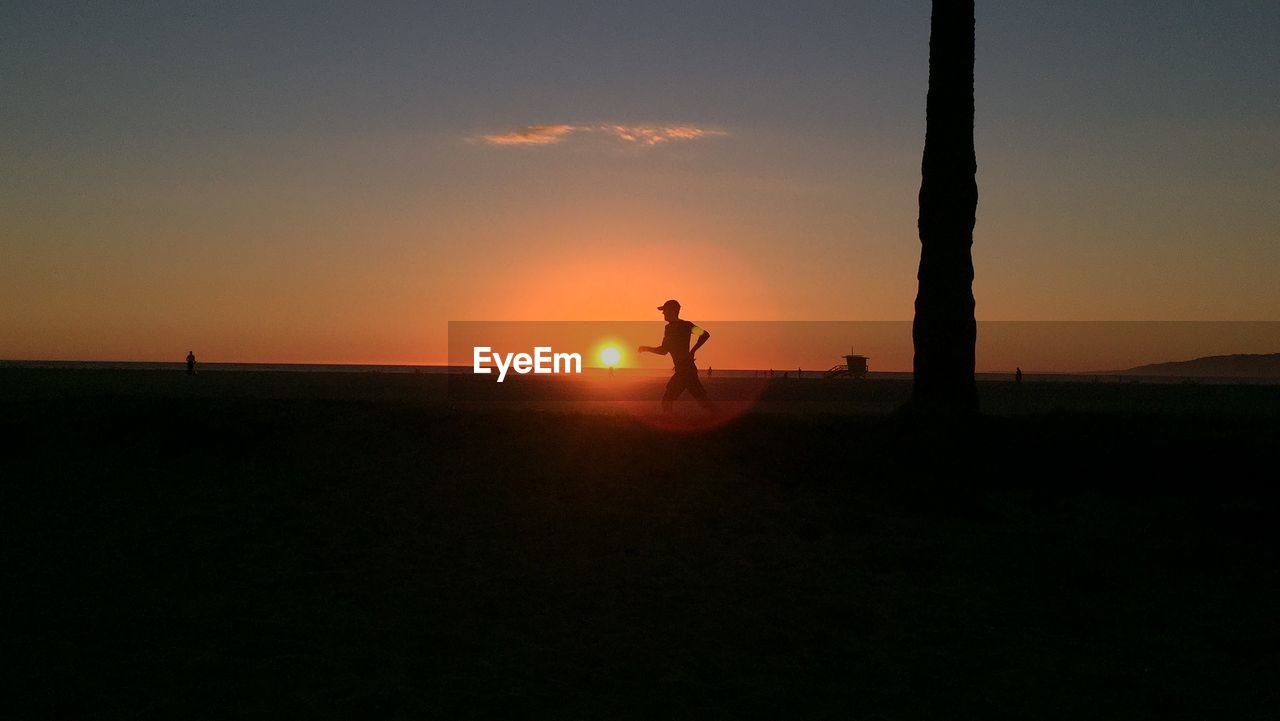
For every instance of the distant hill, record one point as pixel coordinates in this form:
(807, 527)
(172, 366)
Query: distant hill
(1217, 366)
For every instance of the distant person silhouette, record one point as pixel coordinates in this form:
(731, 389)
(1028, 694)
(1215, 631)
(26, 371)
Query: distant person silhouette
(710, 370)
(1017, 376)
(675, 342)
(191, 363)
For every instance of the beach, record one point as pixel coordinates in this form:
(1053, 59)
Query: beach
(380, 544)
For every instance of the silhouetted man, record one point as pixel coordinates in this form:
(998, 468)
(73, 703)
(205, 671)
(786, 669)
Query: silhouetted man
(1017, 376)
(191, 363)
(675, 342)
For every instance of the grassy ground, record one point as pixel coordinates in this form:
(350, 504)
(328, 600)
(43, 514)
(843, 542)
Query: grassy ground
(339, 547)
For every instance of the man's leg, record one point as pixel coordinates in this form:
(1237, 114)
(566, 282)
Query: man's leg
(675, 387)
(697, 391)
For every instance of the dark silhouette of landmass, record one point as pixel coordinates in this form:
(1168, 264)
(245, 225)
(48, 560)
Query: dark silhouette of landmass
(1240, 365)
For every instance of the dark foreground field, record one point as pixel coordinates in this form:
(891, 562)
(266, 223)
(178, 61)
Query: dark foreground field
(352, 546)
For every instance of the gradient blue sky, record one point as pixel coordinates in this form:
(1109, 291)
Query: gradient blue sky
(310, 181)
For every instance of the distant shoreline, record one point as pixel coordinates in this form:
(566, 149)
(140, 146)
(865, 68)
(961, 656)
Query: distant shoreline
(244, 367)
(1126, 376)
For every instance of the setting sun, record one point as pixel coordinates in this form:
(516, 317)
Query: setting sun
(610, 356)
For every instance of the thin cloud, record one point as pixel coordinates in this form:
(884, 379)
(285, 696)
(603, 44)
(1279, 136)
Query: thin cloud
(656, 135)
(642, 135)
(531, 135)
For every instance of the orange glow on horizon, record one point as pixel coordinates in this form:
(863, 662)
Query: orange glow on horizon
(626, 283)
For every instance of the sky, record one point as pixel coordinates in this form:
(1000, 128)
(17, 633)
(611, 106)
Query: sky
(334, 182)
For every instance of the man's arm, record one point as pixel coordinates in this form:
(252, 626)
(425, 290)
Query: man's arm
(660, 350)
(703, 337)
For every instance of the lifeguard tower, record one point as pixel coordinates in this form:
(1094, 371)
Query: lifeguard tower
(854, 366)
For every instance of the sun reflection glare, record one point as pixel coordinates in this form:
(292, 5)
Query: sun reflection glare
(610, 356)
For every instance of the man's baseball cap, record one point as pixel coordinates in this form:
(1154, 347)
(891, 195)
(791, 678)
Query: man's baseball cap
(670, 304)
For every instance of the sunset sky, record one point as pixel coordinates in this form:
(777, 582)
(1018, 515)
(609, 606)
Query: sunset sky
(325, 182)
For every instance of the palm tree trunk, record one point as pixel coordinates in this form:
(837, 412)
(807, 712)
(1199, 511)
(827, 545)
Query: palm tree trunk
(945, 331)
